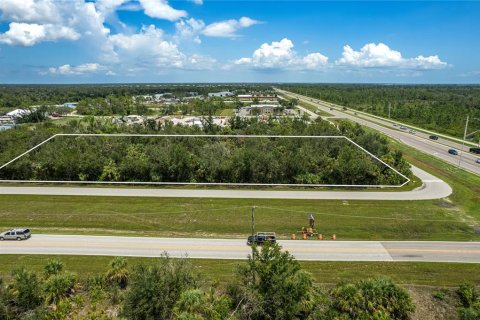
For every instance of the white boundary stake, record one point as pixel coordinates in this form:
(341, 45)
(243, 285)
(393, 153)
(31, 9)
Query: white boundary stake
(407, 180)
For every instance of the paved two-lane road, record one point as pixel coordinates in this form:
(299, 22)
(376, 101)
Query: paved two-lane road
(432, 188)
(314, 250)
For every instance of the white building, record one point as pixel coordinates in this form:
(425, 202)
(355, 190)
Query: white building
(221, 94)
(18, 113)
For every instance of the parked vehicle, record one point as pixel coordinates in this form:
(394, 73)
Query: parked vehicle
(453, 151)
(475, 150)
(433, 137)
(262, 237)
(16, 234)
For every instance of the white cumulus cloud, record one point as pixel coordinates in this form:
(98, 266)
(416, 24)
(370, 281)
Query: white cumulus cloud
(29, 34)
(280, 55)
(81, 69)
(31, 11)
(162, 10)
(228, 28)
(380, 55)
(189, 29)
(148, 49)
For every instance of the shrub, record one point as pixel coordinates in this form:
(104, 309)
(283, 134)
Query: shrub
(59, 286)
(118, 272)
(25, 290)
(196, 304)
(377, 298)
(470, 302)
(53, 267)
(154, 290)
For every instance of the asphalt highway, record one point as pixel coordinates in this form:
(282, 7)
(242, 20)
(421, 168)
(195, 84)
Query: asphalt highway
(438, 148)
(314, 250)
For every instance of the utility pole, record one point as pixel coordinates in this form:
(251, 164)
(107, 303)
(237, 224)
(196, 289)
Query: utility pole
(253, 220)
(463, 145)
(389, 107)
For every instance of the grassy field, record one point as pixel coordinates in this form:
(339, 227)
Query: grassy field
(190, 217)
(413, 273)
(225, 113)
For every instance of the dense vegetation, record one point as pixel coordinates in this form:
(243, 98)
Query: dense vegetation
(125, 105)
(259, 160)
(270, 285)
(440, 108)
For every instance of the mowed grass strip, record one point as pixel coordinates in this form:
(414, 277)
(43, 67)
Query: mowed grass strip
(230, 218)
(223, 271)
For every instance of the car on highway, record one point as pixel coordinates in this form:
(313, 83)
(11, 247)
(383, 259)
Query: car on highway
(475, 150)
(16, 234)
(478, 161)
(403, 127)
(395, 124)
(261, 237)
(453, 151)
(433, 137)
(412, 131)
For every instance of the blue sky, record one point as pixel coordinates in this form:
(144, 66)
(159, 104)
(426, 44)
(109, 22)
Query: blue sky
(81, 41)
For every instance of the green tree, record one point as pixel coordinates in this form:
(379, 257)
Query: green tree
(272, 286)
(110, 172)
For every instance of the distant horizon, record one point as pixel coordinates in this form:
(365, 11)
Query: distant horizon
(241, 83)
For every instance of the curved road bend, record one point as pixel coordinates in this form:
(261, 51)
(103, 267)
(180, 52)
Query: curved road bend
(314, 250)
(432, 188)
(419, 141)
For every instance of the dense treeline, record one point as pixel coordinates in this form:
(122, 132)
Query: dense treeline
(15, 96)
(442, 108)
(270, 285)
(259, 160)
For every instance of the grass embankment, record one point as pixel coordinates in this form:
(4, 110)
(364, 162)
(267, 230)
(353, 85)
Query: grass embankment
(314, 109)
(415, 273)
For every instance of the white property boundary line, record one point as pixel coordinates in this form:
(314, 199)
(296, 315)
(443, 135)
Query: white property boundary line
(204, 183)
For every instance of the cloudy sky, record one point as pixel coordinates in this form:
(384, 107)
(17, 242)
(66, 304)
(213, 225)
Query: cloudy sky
(79, 41)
